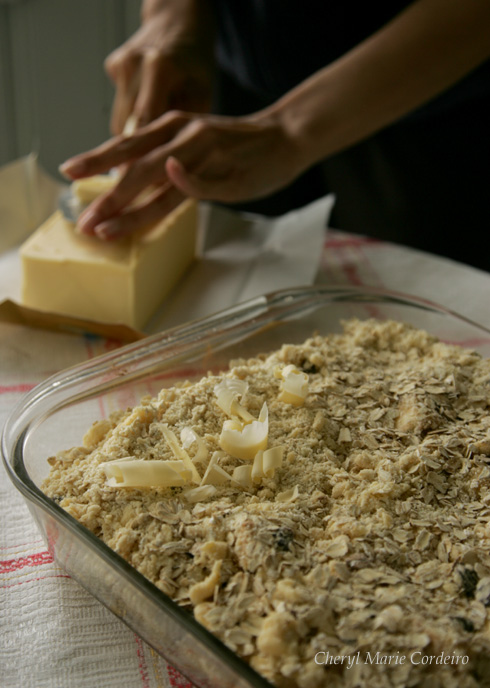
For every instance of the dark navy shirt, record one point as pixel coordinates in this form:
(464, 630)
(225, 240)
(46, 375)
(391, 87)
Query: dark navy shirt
(270, 46)
(422, 181)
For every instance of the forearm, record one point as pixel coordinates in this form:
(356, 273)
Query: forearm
(197, 14)
(419, 54)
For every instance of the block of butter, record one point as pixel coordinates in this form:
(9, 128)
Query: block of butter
(88, 189)
(120, 281)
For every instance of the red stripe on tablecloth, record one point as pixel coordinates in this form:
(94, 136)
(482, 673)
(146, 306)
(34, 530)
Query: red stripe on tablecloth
(183, 372)
(15, 389)
(88, 347)
(32, 560)
(140, 653)
(352, 274)
(21, 544)
(350, 257)
(176, 679)
(372, 309)
(471, 343)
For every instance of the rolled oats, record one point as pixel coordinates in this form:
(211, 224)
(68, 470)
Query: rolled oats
(370, 540)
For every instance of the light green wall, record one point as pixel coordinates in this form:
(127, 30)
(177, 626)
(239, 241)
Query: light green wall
(55, 98)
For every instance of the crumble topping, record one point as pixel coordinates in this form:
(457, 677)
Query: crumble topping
(370, 534)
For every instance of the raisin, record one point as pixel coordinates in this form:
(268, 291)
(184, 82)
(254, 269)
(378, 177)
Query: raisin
(309, 367)
(466, 623)
(283, 537)
(469, 579)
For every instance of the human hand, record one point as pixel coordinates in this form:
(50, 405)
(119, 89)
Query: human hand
(182, 154)
(167, 64)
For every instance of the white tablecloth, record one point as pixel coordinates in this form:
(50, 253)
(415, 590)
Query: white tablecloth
(53, 634)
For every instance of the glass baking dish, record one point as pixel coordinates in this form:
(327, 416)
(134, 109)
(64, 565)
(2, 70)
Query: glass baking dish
(57, 413)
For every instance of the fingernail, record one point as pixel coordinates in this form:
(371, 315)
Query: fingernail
(131, 125)
(106, 230)
(172, 163)
(72, 168)
(87, 220)
(63, 170)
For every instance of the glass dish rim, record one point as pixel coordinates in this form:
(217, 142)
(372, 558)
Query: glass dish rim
(269, 305)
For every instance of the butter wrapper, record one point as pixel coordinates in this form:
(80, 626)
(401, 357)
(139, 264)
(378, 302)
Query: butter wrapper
(27, 197)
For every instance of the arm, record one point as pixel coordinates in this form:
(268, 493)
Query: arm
(420, 53)
(423, 51)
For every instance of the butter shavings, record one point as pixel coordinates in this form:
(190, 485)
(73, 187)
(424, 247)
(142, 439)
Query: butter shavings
(294, 386)
(188, 437)
(243, 441)
(227, 393)
(199, 494)
(266, 462)
(243, 475)
(180, 452)
(139, 473)
(215, 475)
(272, 459)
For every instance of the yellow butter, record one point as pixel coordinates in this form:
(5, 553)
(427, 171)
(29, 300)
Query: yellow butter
(88, 189)
(121, 281)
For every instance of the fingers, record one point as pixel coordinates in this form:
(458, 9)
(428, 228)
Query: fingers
(190, 160)
(143, 176)
(113, 202)
(146, 81)
(208, 158)
(123, 66)
(189, 184)
(155, 86)
(156, 206)
(144, 173)
(124, 149)
(113, 153)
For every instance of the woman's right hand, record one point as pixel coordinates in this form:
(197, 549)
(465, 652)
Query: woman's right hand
(167, 64)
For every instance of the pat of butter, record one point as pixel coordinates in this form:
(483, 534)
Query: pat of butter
(121, 281)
